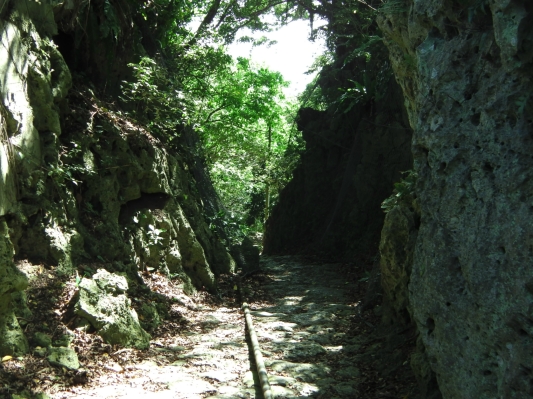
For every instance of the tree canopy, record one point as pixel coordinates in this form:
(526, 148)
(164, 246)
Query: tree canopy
(238, 108)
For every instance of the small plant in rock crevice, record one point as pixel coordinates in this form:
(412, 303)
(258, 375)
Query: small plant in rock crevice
(69, 167)
(153, 233)
(403, 193)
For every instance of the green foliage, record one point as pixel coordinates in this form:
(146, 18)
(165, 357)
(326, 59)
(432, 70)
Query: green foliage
(153, 234)
(312, 96)
(373, 88)
(394, 7)
(358, 94)
(351, 25)
(167, 19)
(363, 50)
(404, 192)
(246, 131)
(70, 167)
(152, 103)
(61, 174)
(110, 23)
(246, 125)
(354, 72)
(522, 104)
(239, 96)
(234, 226)
(238, 109)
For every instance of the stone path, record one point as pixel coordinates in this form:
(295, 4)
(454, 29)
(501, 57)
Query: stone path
(301, 334)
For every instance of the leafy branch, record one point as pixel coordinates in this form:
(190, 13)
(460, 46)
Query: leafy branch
(404, 192)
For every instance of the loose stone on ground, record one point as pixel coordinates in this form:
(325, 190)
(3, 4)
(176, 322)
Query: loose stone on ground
(302, 334)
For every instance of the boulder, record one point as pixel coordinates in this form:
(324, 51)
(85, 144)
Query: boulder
(63, 357)
(246, 255)
(149, 316)
(43, 340)
(103, 302)
(65, 340)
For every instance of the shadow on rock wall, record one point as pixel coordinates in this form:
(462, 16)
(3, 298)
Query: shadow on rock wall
(465, 70)
(81, 182)
(351, 160)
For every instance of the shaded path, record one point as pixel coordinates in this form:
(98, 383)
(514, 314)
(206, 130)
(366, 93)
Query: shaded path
(302, 332)
(307, 335)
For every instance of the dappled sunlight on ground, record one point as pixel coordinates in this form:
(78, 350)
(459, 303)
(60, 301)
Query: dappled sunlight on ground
(314, 341)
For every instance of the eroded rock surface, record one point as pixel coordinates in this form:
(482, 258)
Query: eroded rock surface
(397, 246)
(12, 339)
(63, 357)
(352, 158)
(465, 70)
(81, 183)
(246, 255)
(103, 302)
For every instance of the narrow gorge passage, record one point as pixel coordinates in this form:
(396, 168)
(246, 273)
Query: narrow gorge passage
(314, 342)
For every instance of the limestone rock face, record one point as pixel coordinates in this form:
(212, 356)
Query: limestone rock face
(12, 339)
(103, 302)
(90, 174)
(465, 70)
(83, 186)
(397, 245)
(246, 255)
(351, 160)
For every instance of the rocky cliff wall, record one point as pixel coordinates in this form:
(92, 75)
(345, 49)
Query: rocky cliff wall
(82, 186)
(353, 155)
(465, 71)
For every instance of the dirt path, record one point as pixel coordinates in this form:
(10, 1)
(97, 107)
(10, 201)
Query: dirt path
(305, 316)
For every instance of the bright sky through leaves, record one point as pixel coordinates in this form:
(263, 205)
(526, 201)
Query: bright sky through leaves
(292, 55)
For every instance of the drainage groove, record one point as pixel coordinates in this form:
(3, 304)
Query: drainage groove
(258, 356)
(261, 369)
